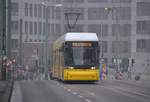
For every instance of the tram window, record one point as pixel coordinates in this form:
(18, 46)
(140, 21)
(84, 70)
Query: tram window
(68, 56)
(86, 55)
(61, 49)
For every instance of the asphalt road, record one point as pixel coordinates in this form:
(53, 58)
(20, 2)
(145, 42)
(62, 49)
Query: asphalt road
(102, 91)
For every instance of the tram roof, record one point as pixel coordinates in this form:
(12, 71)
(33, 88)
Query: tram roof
(78, 37)
(75, 36)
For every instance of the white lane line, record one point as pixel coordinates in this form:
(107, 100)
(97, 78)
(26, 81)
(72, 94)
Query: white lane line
(113, 89)
(68, 90)
(64, 87)
(74, 93)
(137, 92)
(80, 96)
(87, 100)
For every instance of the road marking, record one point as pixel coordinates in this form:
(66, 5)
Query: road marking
(134, 92)
(113, 89)
(138, 93)
(87, 100)
(74, 93)
(80, 96)
(68, 90)
(64, 87)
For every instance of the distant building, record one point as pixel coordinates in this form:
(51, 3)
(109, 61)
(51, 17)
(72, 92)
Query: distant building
(125, 30)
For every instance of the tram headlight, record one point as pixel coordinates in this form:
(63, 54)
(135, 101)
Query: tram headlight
(71, 67)
(93, 68)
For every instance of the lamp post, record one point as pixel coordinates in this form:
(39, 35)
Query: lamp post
(46, 32)
(117, 60)
(45, 44)
(56, 6)
(108, 10)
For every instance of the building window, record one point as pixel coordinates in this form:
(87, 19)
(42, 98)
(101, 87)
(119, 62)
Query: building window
(79, 28)
(97, 1)
(94, 28)
(121, 13)
(30, 40)
(30, 28)
(44, 11)
(49, 27)
(75, 1)
(76, 28)
(14, 27)
(125, 46)
(58, 30)
(48, 12)
(26, 9)
(121, 29)
(14, 54)
(53, 12)
(142, 27)
(58, 1)
(104, 46)
(58, 13)
(52, 28)
(97, 14)
(40, 28)
(35, 10)
(14, 43)
(121, 1)
(44, 28)
(26, 27)
(98, 29)
(143, 9)
(120, 47)
(14, 9)
(142, 45)
(39, 10)
(104, 30)
(31, 10)
(35, 27)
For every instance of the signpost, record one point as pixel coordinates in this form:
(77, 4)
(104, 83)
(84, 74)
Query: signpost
(103, 71)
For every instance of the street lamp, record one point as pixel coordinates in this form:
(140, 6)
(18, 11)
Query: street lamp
(58, 5)
(108, 10)
(46, 40)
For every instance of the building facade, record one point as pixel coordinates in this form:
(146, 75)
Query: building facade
(123, 31)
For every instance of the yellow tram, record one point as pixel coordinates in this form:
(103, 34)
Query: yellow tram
(76, 57)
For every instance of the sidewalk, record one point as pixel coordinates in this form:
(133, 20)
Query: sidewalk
(5, 90)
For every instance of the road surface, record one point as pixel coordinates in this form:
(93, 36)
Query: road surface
(102, 91)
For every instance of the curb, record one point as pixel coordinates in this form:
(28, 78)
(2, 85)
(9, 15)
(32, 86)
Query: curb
(7, 91)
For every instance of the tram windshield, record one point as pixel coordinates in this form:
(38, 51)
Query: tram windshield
(81, 56)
